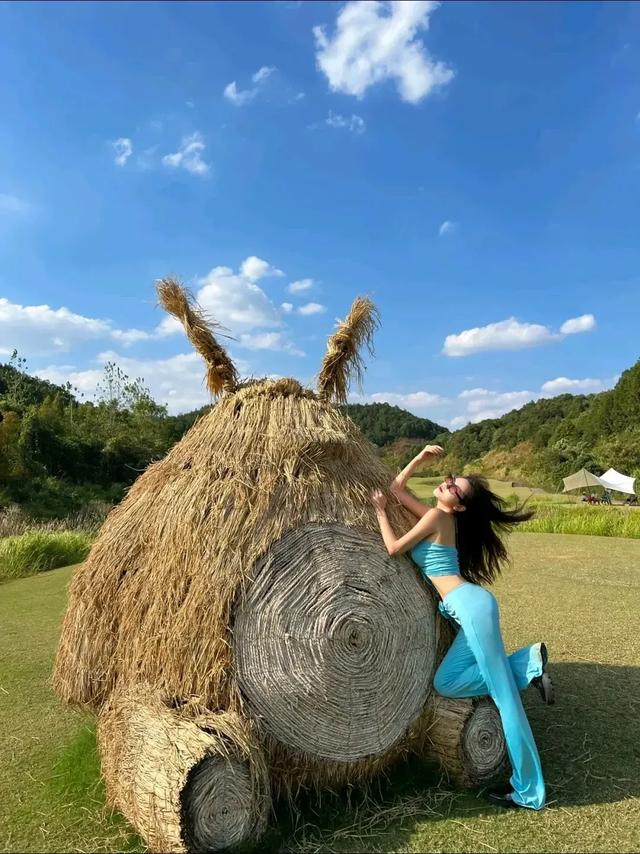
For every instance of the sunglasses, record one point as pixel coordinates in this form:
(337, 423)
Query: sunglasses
(450, 484)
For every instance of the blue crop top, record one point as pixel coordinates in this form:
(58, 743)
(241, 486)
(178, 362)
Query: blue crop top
(435, 558)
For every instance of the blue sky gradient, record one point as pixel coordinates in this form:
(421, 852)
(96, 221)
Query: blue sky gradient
(528, 148)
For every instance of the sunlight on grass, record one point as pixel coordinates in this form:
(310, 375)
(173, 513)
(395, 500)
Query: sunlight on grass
(37, 551)
(579, 594)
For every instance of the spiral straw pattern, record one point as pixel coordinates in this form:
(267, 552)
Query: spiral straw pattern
(334, 643)
(219, 805)
(483, 746)
(467, 739)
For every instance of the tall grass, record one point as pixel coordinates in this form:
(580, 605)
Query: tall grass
(596, 521)
(14, 520)
(37, 551)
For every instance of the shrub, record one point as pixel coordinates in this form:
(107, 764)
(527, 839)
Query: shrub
(37, 551)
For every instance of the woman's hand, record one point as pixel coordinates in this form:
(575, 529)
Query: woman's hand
(379, 500)
(430, 452)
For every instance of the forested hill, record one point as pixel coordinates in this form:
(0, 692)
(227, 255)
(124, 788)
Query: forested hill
(382, 423)
(58, 453)
(549, 439)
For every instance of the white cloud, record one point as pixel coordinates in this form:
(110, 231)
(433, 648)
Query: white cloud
(240, 97)
(189, 155)
(412, 400)
(458, 421)
(13, 205)
(36, 329)
(300, 96)
(300, 286)
(356, 124)
(481, 403)
(561, 385)
(123, 149)
(506, 335)
(376, 41)
(510, 334)
(447, 227)
(254, 268)
(40, 329)
(584, 323)
(130, 336)
(287, 307)
(269, 341)
(263, 74)
(84, 381)
(236, 96)
(312, 308)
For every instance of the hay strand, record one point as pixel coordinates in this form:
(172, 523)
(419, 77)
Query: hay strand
(221, 372)
(343, 358)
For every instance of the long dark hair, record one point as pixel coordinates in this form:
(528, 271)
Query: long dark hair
(481, 550)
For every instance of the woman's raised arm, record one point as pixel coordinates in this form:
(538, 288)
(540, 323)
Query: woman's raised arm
(398, 485)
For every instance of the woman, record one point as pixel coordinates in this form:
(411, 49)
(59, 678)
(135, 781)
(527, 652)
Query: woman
(457, 547)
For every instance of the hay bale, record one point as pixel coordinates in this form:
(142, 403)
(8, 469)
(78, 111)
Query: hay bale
(184, 777)
(467, 739)
(333, 643)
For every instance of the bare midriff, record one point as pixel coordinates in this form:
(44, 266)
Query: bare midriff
(445, 583)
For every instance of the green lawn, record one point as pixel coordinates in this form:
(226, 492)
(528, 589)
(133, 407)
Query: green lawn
(580, 594)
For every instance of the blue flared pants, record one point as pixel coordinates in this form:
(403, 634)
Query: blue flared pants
(477, 664)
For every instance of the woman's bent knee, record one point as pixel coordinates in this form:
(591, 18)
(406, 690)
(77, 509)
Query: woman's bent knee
(441, 684)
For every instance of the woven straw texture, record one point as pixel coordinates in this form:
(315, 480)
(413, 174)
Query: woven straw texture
(334, 643)
(153, 759)
(466, 737)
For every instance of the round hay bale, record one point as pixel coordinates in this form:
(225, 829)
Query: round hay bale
(334, 643)
(467, 739)
(218, 809)
(184, 777)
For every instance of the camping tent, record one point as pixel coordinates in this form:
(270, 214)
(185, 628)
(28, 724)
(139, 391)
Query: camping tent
(580, 480)
(612, 479)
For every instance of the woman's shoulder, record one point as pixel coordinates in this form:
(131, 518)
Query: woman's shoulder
(444, 533)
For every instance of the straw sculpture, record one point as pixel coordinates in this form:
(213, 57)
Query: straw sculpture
(239, 628)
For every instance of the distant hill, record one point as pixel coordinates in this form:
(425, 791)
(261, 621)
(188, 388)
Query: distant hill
(383, 423)
(548, 439)
(57, 453)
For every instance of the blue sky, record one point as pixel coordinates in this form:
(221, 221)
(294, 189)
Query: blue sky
(473, 168)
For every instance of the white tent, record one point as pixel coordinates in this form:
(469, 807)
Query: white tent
(612, 479)
(580, 480)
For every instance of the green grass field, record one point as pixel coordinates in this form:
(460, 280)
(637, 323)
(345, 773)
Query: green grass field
(579, 594)
(556, 513)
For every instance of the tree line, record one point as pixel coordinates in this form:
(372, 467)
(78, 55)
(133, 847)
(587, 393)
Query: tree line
(58, 451)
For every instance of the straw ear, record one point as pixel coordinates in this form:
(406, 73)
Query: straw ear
(343, 359)
(221, 372)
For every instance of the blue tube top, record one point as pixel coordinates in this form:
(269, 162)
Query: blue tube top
(435, 558)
